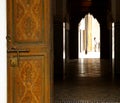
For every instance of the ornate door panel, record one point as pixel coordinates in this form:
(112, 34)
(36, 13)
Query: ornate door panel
(28, 43)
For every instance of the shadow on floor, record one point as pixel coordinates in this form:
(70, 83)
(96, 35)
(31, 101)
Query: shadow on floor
(87, 81)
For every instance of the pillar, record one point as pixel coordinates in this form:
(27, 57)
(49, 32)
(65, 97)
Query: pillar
(73, 40)
(105, 41)
(117, 48)
(58, 48)
(117, 38)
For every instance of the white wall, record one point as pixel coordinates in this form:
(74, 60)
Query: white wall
(3, 73)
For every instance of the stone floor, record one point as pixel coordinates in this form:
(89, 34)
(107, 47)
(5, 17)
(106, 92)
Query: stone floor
(88, 81)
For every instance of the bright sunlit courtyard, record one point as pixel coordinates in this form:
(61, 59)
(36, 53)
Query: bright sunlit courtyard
(89, 37)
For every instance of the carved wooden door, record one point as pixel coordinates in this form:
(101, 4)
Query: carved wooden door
(28, 43)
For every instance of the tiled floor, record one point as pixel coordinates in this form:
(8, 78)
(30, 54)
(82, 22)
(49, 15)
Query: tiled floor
(88, 81)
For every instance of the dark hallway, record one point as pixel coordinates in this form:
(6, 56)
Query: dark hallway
(70, 12)
(88, 81)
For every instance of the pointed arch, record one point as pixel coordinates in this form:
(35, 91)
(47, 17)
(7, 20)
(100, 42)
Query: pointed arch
(88, 30)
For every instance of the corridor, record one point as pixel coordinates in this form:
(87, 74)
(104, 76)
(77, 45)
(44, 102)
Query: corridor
(88, 81)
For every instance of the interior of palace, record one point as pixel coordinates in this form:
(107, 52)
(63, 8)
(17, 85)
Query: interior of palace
(85, 72)
(63, 51)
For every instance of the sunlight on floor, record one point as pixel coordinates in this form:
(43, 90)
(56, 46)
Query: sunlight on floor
(90, 55)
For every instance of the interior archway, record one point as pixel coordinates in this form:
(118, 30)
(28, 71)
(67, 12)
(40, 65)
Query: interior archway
(85, 71)
(89, 37)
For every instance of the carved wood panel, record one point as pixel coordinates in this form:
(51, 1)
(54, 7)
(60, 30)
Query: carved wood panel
(27, 81)
(28, 20)
(29, 28)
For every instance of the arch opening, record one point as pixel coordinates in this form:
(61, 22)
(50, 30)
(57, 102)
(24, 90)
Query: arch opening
(88, 37)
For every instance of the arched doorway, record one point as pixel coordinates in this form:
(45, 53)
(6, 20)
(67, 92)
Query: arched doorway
(84, 71)
(89, 37)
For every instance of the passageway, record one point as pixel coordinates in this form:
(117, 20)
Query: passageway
(85, 80)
